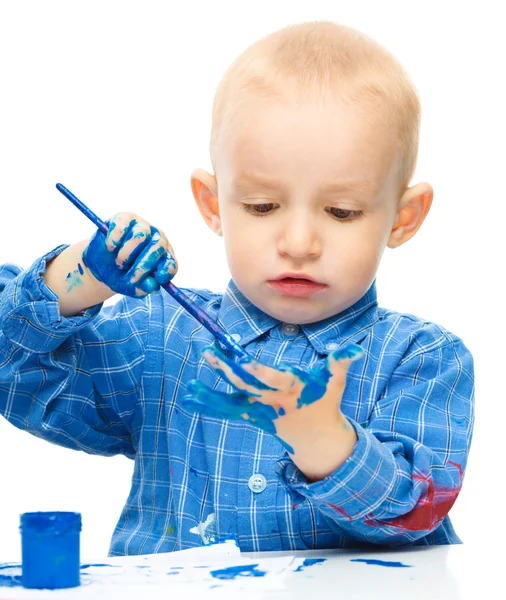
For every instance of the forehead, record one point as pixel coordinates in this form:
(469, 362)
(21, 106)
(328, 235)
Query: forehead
(314, 140)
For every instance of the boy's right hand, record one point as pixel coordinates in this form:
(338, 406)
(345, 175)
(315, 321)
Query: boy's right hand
(133, 259)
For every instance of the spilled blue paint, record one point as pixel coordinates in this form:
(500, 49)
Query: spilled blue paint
(309, 562)
(238, 571)
(240, 404)
(380, 563)
(9, 565)
(10, 581)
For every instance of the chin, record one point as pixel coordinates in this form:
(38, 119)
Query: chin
(297, 315)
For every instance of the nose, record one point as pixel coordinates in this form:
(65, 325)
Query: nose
(299, 238)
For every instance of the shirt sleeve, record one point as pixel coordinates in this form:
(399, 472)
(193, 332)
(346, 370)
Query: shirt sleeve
(71, 381)
(408, 464)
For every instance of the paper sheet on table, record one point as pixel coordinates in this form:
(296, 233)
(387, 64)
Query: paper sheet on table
(208, 571)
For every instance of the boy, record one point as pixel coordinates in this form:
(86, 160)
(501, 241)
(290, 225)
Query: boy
(313, 145)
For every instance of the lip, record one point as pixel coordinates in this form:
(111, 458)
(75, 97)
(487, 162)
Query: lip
(296, 284)
(295, 275)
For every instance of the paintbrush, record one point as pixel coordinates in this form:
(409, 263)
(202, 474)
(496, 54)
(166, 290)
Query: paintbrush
(202, 317)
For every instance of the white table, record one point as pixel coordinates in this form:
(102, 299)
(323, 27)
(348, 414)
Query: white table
(436, 572)
(440, 572)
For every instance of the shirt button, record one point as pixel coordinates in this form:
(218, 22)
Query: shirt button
(257, 483)
(332, 346)
(289, 329)
(237, 337)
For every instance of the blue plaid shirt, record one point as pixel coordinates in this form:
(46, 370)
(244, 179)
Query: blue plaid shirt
(110, 381)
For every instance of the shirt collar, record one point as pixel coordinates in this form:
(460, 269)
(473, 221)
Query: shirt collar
(242, 318)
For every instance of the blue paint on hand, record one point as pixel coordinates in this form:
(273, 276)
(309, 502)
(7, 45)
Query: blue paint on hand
(147, 261)
(238, 405)
(247, 377)
(380, 563)
(74, 279)
(241, 404)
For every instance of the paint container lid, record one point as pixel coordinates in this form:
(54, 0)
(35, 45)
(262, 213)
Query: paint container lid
(50, 523)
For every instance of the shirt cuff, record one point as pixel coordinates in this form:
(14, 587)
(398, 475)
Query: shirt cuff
(30, 314)
(357, 487)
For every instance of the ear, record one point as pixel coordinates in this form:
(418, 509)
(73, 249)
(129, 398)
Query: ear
(413, 208)
(205, 192)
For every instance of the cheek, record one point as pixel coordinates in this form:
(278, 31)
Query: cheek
(243, 244)
(356, 250)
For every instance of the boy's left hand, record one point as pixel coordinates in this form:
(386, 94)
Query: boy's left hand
(301, 408)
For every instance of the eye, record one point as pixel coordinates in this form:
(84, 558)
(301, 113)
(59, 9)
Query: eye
(259, 210)
(342, 214)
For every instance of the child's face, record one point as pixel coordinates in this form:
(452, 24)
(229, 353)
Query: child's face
(289, 203)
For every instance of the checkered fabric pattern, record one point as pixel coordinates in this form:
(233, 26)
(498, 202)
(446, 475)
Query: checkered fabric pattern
(110, 381)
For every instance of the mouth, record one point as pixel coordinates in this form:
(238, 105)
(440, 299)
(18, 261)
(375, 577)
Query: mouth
(296, 285)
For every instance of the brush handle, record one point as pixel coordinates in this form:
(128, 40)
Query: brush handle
(202, 317)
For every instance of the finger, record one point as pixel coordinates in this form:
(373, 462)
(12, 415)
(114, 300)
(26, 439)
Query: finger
(339, 360)
(233, 406)
(166, 244)
(237, 405)
(165, 269)
(136, 238)
(118, 225)
(232, 371)
(279, 378)
(146, 261)
(195, 405)
(147, 286)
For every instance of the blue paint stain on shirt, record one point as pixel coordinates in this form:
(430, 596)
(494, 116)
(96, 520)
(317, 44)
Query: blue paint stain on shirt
(309, 562)
(380, 563)
(238, 571)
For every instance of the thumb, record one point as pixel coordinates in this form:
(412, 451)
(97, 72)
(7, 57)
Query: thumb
(339, 360)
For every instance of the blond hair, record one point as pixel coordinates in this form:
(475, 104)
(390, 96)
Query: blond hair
(325, 55)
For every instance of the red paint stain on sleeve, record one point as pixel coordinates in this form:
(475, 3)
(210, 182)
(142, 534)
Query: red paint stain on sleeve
(339, 510)
(431, 509)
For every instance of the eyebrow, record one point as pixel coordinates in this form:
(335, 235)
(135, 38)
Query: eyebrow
(245, 179)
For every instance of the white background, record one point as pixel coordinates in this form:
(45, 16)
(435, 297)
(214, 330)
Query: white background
(113, 99)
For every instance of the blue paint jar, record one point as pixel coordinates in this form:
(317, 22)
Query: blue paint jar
(50, 549)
